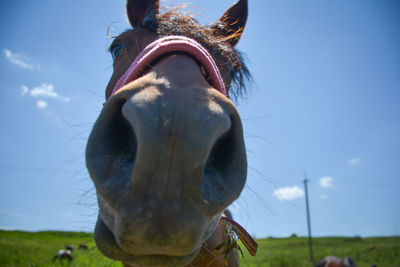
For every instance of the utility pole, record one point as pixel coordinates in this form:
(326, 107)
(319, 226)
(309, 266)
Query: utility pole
(308, 218)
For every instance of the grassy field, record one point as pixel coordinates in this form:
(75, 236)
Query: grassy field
(22, 249)
(285, 252)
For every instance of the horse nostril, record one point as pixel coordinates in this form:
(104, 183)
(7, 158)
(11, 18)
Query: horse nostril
(221, 154)
(222, 173)
(120, 139)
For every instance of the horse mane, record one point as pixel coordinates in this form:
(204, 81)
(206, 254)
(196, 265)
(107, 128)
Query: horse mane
(227, 58)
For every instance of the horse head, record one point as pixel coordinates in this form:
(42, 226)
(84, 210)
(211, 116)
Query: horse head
(167, 154)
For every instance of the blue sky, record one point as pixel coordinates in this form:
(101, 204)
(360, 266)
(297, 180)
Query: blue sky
(325, 100)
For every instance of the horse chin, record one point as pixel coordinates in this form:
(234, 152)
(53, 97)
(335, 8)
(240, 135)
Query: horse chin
(107, 244)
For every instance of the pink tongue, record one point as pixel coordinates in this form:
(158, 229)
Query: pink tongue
(167, 45)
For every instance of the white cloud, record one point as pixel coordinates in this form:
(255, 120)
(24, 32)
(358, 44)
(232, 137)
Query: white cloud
(18, 60)
(44, 91)
(289, 193)
(41, 104)
(353, 161)
(326, 182)
(24, 90)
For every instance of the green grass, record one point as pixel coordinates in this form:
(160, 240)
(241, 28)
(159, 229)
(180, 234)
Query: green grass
(22, 249)
(288, 252)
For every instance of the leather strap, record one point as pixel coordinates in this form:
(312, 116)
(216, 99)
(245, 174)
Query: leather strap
(247, 240)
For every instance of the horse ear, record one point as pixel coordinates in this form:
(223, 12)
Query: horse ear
(143, 13)
(232, 23)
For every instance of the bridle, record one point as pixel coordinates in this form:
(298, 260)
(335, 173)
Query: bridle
(247, 240)
(167, 45)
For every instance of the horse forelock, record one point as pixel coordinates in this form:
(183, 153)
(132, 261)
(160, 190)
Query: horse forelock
(228, 59)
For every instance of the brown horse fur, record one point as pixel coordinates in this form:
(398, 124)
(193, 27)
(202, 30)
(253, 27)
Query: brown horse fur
(167, 154)
(332, 261)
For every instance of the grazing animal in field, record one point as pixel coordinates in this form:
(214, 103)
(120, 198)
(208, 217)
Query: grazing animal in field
(167, 153)
(63, 254)
(332, 261)
(83, 247)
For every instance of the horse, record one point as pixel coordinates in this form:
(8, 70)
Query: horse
(167, 154)
(83, 247)
(332, 261)
(63, 254)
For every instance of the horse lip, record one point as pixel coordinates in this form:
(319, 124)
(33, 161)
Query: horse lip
(156, 260)
(106, 243)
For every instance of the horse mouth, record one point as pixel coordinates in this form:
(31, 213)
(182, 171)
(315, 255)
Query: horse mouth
(159, 260)
(107, 244)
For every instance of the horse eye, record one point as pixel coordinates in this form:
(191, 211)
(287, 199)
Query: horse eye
(117, 51)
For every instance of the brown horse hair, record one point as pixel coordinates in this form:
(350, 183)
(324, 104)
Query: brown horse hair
(174, 22)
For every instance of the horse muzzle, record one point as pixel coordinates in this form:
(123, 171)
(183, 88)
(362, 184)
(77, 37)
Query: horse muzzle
(166, 161)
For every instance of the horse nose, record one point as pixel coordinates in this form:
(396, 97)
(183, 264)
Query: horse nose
(175, 135)
(157, 147)
(167, 161)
